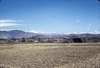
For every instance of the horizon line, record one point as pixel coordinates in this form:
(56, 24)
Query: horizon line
(95, 32)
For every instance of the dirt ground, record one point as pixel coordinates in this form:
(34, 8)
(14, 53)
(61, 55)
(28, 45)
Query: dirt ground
(50, 55)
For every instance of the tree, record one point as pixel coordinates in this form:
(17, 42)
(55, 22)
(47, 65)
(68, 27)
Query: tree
(23, 40)
(77, 40)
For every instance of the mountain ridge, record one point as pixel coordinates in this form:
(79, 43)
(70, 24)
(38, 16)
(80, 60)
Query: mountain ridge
(23, 34)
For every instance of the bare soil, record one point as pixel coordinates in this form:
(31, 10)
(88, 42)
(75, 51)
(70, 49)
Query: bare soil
(47, 55)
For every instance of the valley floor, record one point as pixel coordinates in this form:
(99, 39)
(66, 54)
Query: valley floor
(50, 55)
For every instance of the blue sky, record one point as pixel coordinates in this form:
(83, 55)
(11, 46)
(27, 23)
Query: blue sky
(60, 16)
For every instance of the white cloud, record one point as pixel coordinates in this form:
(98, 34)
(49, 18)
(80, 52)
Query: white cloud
(5, 23)
(75, 32)
(41, 32)
(33, 31)
(8, 24)
(96, 32)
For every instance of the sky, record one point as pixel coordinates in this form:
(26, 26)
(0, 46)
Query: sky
(50, 16)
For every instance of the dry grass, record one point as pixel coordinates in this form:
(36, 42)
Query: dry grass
(51, 56)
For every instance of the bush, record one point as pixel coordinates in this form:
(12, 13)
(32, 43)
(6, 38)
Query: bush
(77, 40)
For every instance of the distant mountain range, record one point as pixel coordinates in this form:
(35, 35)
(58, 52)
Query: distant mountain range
(15, 34)
(22, 34)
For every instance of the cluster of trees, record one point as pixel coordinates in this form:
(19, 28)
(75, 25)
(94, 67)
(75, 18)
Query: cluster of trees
(49, 40)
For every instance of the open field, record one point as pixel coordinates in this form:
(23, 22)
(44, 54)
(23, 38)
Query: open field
(48, 55)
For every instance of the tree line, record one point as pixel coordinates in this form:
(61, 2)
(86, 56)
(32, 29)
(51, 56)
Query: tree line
(49, 40)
